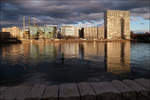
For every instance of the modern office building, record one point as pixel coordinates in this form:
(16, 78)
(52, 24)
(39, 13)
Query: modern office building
(117, 24)
(69, 31)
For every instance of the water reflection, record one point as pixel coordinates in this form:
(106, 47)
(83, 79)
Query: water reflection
(70, 50)
(94, 51)
(83, 61)
(117, 57)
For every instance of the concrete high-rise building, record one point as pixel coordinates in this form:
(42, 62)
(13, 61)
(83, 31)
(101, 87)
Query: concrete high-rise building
(117, 24)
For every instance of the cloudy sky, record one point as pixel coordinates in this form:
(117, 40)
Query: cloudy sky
(84, 12)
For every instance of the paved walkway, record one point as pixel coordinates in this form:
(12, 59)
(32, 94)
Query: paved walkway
(138, 89)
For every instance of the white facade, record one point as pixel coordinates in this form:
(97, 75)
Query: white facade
(69, 31)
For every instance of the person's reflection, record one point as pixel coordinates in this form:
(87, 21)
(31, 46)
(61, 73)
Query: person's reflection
(81, 51)
(117, 57)
(62, 58)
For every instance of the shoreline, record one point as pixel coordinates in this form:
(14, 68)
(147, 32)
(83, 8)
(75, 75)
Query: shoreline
(69, 40)
(17, 41)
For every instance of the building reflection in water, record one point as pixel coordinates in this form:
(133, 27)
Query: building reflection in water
(115, 55)
(94, 51)
(70, 50)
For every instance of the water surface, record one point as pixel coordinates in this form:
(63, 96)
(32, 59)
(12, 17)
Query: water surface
(83, 62)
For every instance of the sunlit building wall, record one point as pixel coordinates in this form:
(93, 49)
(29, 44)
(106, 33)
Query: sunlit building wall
(45, 32)
(14, 31)
(100, 31)
(69, 31)
(117, 24)
(91, 33)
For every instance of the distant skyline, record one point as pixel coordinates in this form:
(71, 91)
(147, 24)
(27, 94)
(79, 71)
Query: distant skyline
(77, 12)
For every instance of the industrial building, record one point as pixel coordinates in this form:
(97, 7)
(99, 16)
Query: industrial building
(117, 24)
(43, 32)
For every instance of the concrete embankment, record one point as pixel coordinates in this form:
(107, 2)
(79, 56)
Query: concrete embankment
(10, 41)
(69, 40)
(138, 89)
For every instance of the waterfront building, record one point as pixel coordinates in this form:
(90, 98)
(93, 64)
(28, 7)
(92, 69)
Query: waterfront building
(91, 33)
(100, 31)
(117, 24)
(43, 32)
(4, 35)
(69, 31)
(14, 31)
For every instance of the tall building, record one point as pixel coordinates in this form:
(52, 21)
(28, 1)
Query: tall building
(117, 24)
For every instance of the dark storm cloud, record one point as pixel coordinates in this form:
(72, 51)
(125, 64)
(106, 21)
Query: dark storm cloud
(67, 11)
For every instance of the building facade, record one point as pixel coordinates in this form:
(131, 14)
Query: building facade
(4, 35)
(14, 31)
(91, 33)
(43, 32)
(117, 24)
(69, 31)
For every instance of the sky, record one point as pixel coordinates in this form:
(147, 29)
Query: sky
(78, 12)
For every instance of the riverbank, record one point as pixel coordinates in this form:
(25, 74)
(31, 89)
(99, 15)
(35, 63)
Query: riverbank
(138, 89)
(15, 41)
(10, 41)
(141, 38)
(70, 40)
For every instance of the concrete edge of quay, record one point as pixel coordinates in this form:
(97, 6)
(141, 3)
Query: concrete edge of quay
(137, 89)
(70, 40)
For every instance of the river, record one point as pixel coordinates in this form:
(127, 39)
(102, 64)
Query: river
(81, 62)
